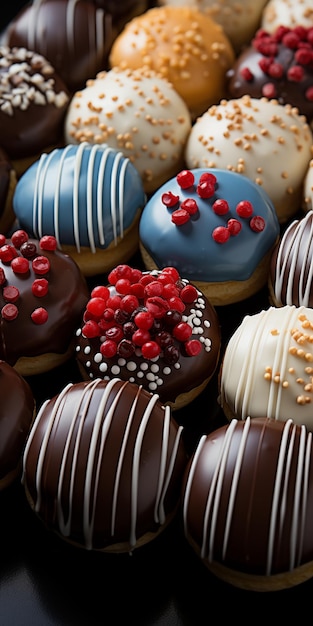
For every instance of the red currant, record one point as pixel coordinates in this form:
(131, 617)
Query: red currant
(208, 177)
(144, 320)
(41, 265)
(182, 331)
(169, 199)
(2, 276)
(115, 333)
(20, 265)
(100, 291)
(190, 205)
(257, 223)
(188, 294)
(137, 289)
(9, 312)
(155, 288)
(193, 347)
(19, 237)
(40, 287)
(185, 179)
(90, 329)
(172, 272)
(180, 217)
(205, 189)
(108, 348)
(157, 306)
(122, 286)
(96, 306)
(11, 293)
(120, 271)
(7, 253)
(244, 208)
(220, 206)
(141, 336)
(39, 316)
(221, 234)
(129, 303)
(150, 350)
(48, 242)
(234, 226)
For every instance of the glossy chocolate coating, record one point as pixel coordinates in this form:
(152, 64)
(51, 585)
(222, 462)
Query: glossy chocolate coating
(103, 464)
(6, 168)
(248, 497)
(75, 37)
(67, 295)
(16, 414)
(290, 276)
(282, 87)
(33, 102)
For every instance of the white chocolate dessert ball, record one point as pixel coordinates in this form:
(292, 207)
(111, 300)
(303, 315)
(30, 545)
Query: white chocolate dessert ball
(268, 142)
(239, 20)
(136, 112)
(287, 13)
(267, 366)
(308, 189)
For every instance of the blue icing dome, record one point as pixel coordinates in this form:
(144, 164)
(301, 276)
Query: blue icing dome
(85, 195)
(191, 247)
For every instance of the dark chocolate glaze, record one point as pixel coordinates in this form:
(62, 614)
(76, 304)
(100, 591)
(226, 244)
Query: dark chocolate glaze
(283, 89)
(66, 298)
(290, 277)
(264, 526)
(157, 376)
(17, 407)
(126, 478)
(33, 103)
(75, 37)
(6, 168)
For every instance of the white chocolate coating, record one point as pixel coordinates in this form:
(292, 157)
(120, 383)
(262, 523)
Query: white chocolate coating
(267, 367)
(308, 188)
(268, 142)
(136, 112)
(287, 13)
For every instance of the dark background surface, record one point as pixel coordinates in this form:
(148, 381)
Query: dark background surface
(46, 582)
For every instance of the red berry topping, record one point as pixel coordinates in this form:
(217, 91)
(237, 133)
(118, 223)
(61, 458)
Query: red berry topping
(122, 285)
(2, 240)
(137, 289)
(257, 223)
(9, 312)
(180, 217)
(20, 265)
(125, 349)
(190, 206)
(96, 306)
(150, 350)
(41, 265)
(208, 177)
(2, 276)
(28, 249)
(39, 316)
(141, 336)
(10, 293)
(100, 291)
(188, 294)
(246, 74)
(244, 208)
(276, 70)
(295, 73)
(269, 91)
(115, 333)
(108, 348)
(221, 234)
(234, 226)
(170, 290)
(205, 189)
(170, 271)
(48, 242)
(193, 347)
(120, 271)
(309, 94)
(90, 329)
(7, 253)
(129, 303)
(185, 179)
(144, 320)
(19, 237)
(155, 288)
(182, 331)
(220, 206)
(157, 306)
(176, 304)
(40, 287)
(114, 302)
(169, 199)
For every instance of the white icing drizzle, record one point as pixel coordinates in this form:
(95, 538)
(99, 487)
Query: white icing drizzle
(283, 483)
(103, 422)
(82, 202)
(289, 250)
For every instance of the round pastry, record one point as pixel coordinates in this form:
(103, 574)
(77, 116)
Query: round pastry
(267, 366)
(124, 11)
(287, 13)
(103, 465)
(184, 46)
(291, 271)
(216, 227)
(136, 112)
(33, 102)
(89, 197)
(277, 65)
(152, 328)
(268, 142)
(17, 410)
(42, 297)
(307, 203)
(247, 503)
(239, 20)
(74, 35)
(8, 179)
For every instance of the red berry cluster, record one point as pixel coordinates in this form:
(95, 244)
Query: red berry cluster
(299, 40)
(144, 312)
(206, 189)
(22, 256)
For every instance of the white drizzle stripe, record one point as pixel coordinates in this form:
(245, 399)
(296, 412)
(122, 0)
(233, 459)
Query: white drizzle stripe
(100, 431)
(100, 185)
(56, 207)
(290, 248)
(121, 194)
(89, 201)
(78, 415)
(161, 510)
(70, 11)
(305, 486)
(31, 437)
(41, 457)
(279, 479)
(190, 478)
(297, 504)
(121, 459)
(135, 469)
(100, 35)
(77, 168)
(38, 193)
(234, 483)
(114, 177)
(280, 361)
(31, 32)
(165, 438)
